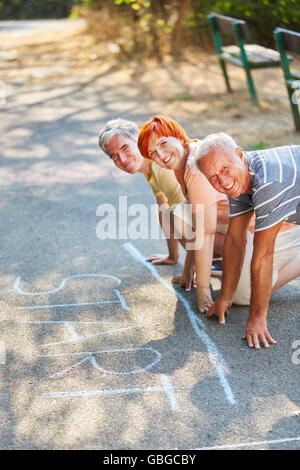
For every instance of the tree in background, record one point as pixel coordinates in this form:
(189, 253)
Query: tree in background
(160, 20)
(166, 26)
(143, 28)
(262, 16)
(35, 9)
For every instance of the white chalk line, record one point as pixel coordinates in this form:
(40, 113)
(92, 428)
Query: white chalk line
(2, 353)
(170, 391)
(62, 284)
(250, 444)
(167, 388)
(72, 331)
(78, 353)
(68, 305)
(79, 338)
(72, 321)
(75, 336)
(90, 357)
(121, 299)
(213, 352)
(118, 294)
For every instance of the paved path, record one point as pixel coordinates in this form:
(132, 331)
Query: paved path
(98, 351)
(24, 28)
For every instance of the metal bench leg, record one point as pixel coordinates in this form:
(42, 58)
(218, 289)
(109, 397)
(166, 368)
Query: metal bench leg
(295, 109)
(251, 84)
(223, 65)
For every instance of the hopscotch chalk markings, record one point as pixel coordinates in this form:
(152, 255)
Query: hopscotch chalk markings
(214, 356)
(2, 353)
(62, 284)
(74, 334)
(251, 444)
(93, 335)
(166, 387)
(89, 357)
(120, 300)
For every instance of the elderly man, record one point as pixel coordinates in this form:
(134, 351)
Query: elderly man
(118, 139)
(267, 183)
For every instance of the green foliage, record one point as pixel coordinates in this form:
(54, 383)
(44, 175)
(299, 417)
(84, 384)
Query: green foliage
(179, 98)
(33, 9)
(261, 145)
(152, 25)
(262, 16)
(155, 29)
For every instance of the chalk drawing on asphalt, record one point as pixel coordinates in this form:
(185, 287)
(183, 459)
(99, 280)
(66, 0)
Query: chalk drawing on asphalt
(89, 356)
(75, 336)
(198, 325)
(166, 388)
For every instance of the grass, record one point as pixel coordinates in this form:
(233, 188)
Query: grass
(179, 98)
(261, 145)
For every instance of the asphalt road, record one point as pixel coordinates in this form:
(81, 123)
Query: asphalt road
(98, 351)
(24, 28)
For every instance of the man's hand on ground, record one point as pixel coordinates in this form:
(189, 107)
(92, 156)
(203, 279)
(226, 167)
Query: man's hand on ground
(161, 259)
(256, 330)
(185, 281)
(221, 308)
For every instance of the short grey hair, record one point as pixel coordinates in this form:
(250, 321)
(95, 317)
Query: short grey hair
(115, 127)
(211, 143)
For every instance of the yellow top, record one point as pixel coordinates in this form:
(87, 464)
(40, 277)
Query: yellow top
(163, 181)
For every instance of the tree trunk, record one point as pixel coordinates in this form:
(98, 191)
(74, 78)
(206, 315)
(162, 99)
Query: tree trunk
(176, 33)
(157, 12)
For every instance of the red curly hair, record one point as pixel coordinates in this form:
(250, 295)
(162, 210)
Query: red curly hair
(163, 126)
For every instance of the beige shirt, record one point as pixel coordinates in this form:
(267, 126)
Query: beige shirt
(163, 181)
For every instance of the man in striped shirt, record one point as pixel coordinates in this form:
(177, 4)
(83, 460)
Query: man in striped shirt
(266, 183)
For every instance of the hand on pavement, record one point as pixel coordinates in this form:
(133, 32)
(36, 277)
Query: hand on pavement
(221, 308)
(186, 281)
(161, 259)
(256, 331)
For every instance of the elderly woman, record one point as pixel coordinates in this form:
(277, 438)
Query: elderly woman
(165, 141)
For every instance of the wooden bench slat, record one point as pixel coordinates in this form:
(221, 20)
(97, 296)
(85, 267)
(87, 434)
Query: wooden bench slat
(296, 75)
(295, 78)
(291, 40)
(255, 53)
(232, 58)
(225, 25)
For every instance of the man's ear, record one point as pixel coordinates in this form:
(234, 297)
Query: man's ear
(239, 151)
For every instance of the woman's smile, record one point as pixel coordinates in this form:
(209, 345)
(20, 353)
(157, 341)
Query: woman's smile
(168, 152)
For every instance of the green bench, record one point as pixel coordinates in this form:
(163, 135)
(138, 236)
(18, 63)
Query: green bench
(248, 56)
(290, 41)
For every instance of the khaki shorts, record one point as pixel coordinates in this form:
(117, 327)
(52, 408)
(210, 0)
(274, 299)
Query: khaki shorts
(287, 246)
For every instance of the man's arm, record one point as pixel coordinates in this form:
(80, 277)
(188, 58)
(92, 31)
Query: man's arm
(233, 258)
(261, 287)
(165, 218)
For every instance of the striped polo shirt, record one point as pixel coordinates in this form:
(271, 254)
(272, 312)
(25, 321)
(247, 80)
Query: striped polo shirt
(275, 181)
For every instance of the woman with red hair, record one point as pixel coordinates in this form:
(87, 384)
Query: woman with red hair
(165, 141)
